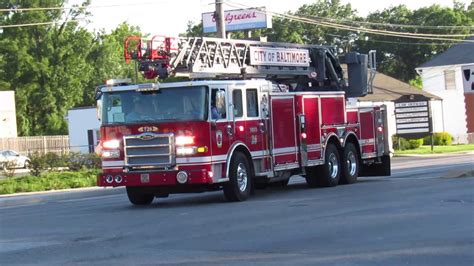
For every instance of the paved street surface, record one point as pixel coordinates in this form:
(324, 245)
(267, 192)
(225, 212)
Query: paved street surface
(422, 215)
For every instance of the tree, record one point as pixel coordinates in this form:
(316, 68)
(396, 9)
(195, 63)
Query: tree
(288, 30)
(45, 65)
(398, 57)
(107, 58)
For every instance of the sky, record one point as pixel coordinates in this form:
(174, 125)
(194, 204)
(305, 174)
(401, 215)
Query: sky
(170, 17)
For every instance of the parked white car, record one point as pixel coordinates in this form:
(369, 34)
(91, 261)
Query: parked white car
(9, 157)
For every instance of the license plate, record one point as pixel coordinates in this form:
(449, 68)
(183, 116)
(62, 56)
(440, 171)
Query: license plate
(145, 178)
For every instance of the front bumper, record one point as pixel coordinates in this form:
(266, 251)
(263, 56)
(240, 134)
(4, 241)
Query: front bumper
(153, 178)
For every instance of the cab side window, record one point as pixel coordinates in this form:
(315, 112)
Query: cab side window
(252, 103)
(218, 104)
(238, 105)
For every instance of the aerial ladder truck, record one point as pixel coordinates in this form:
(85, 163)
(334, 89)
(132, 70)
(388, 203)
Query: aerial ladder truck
(248, 114)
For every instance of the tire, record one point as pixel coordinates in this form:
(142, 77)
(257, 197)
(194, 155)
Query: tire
(26, 165)
(328, 174)
(239, 186)
(350, 164)
(138, 197)
(311, 177)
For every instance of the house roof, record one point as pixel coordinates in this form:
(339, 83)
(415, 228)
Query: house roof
(386, 88)
(461, 53)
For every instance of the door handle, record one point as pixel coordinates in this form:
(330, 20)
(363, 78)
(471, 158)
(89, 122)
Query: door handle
(230, 131)
(261, 127)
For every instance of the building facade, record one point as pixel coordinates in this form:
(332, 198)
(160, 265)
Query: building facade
(450, 76)
(8, 126)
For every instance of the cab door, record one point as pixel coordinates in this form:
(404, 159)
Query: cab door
(221, 127)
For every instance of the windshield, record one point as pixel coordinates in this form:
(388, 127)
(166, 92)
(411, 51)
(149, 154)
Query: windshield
(181, 103)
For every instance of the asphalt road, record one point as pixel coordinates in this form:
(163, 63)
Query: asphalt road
(423, 215)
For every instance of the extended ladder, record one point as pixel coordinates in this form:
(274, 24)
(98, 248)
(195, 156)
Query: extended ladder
(200, 57)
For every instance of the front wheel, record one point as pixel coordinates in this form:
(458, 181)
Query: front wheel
(240, 179)
(138, 197)
(350, 164)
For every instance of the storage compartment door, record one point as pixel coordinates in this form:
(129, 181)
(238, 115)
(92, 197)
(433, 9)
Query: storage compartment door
(284, 149)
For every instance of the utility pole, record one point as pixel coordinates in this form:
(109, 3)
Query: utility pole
(220, 23)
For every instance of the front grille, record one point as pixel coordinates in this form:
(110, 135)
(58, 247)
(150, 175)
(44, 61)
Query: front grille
(149, 150)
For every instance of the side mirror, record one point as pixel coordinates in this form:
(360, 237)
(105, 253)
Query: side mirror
(99, 109)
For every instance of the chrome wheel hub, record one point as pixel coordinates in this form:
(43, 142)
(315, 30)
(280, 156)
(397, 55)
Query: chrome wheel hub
(333, 166)
(351, 163)
(242, 177)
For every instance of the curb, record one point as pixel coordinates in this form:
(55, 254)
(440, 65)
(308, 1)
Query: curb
(52, 195)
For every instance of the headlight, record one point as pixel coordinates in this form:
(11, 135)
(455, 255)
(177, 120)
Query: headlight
(111, 154)
(185, 150)
(184, 140)
(111, 144)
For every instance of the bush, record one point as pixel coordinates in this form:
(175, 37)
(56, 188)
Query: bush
(8, 168)
(37, 164)
(439, 139)
(400, 143)
(49, 181)
(54, 161)
(78, 161)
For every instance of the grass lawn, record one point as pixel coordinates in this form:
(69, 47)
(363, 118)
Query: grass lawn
(49, 181)
(437, 149)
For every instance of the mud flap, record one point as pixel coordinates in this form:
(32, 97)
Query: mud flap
(382, 168)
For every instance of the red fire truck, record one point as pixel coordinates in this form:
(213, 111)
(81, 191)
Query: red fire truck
(249, 114)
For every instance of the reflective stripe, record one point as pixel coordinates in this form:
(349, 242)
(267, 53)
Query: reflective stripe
(259, 153)
(112, 163)
(367, 141)
(284, 150)
(314, 147)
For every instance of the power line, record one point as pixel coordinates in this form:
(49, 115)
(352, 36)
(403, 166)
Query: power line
(81, 7)
(365, 30)
(405, 43)
(389, 25)
(38, 23)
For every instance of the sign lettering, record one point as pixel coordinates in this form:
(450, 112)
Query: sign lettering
(278, 56)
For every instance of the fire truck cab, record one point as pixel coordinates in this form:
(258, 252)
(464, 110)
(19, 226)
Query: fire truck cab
(234, 134)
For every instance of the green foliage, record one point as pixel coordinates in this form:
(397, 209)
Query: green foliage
(416, 82)
(55, 67)
(439, 139)
(398, 57)
(400, 143)
(438, 149)
(8, 168)
(37, 164)
(46, 65)
(78, 161)
(49, 181)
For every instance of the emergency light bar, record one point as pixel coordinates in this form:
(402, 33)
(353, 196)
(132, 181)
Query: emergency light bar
(147, 87)
(112, 82)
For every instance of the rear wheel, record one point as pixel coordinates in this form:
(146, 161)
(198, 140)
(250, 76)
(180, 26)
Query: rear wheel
(240, 179)
(328, 174)
(350, 164)
(138, 197)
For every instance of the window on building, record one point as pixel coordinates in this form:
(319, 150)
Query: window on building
(238, 106)
(449, 80)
